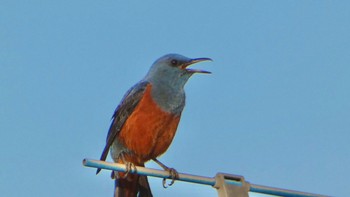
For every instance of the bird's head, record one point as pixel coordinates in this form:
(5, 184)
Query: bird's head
(173, 69)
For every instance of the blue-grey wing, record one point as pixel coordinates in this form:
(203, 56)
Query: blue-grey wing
(121, 114)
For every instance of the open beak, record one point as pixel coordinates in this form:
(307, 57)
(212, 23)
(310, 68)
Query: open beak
(193, 61)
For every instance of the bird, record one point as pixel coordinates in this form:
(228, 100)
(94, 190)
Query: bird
(144, 123)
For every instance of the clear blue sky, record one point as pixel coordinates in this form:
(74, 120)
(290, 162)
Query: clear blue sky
(275, 110)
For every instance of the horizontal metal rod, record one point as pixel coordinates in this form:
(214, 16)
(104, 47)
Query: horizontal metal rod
(281, 192)
(148, 172)
(194, 179)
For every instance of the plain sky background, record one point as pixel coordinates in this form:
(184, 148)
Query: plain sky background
(275, 110)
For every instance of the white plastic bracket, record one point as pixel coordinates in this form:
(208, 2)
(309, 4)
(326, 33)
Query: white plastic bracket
(229, 185)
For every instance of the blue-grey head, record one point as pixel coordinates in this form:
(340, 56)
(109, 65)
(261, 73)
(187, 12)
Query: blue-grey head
(173, 70)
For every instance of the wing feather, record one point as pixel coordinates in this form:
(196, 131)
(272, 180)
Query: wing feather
(121, 114)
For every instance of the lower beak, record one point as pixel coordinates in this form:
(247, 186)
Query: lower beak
(196, 60)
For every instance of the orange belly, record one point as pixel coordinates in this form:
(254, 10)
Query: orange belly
(149, 130)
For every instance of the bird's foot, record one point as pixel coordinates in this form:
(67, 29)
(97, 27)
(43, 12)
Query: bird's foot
(173, 174)
(129, 167)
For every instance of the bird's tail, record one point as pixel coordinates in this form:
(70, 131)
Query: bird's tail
(131, 186)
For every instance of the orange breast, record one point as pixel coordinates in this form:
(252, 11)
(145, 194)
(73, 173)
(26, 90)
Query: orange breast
(149, 130)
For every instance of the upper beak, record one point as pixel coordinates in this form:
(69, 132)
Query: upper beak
(193, 61)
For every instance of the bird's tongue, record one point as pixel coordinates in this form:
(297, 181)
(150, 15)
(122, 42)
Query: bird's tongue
(193, 61)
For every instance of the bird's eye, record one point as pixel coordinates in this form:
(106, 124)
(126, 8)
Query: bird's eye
(174, 62)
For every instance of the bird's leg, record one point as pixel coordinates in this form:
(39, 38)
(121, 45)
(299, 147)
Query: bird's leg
(172, 173)
(129, 166)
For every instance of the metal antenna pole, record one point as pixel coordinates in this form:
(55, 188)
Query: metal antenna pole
(227, 185)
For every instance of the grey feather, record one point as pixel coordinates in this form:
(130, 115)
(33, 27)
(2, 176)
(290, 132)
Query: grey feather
(121, 114)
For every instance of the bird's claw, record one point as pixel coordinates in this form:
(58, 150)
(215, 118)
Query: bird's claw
(129, 167)
(173, 174)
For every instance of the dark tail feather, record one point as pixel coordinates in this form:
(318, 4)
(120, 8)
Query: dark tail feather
(131, 186)
(103, 157)
(126, 187)
(144, 188)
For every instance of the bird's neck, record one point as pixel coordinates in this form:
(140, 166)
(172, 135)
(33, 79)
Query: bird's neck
(170, 97)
